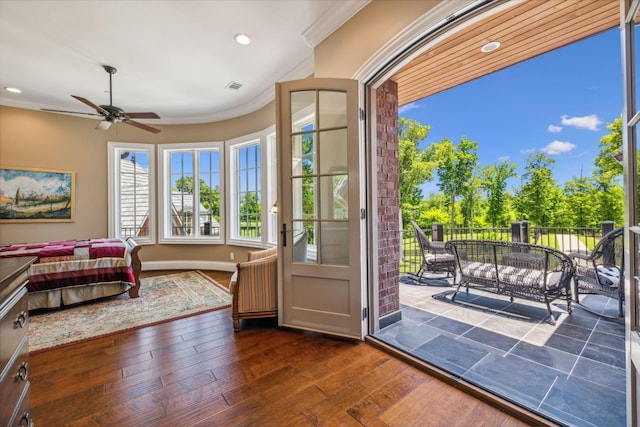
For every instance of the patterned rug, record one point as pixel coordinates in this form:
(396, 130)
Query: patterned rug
(162, 298)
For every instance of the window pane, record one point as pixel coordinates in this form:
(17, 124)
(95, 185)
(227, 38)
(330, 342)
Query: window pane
(134, 194)
(181, 207)
(209, 191)
(249, 195)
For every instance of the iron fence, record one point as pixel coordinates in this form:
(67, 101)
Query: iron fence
(566, 239)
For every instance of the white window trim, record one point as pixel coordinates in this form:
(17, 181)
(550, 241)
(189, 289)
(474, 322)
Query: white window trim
(268, 190)
(164, 182)
(113, 190)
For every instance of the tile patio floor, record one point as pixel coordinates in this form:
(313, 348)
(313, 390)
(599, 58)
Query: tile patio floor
(572, 373)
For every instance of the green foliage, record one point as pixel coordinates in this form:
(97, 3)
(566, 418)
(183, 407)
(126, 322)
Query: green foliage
(534, 198)
(493, 180)
(581, 202)
(415, 166)
(455, 168)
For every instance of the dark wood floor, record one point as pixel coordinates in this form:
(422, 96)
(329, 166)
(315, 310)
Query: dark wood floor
(197, 371)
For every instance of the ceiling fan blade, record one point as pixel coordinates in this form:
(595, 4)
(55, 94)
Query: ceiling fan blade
(99, 109)
(148, 115)
(142, 126)
(69, 112)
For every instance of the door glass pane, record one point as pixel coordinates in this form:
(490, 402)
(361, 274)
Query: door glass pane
(636, 62)
(303, 248)
(303, 158)
(303, 198)
(334, 243)
(335, 202)
(333, 151)
(333, 109)
(303, 108)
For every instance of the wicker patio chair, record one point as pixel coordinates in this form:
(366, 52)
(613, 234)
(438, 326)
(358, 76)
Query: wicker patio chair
(601, 271)
(434, 256)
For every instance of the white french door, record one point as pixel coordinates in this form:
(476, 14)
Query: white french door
(319, 201)
(630, 16)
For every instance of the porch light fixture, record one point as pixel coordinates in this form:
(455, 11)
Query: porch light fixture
(12, 89)
(242, 39)
(490, 47)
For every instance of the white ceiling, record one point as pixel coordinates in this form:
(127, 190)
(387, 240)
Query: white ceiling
(174, 58)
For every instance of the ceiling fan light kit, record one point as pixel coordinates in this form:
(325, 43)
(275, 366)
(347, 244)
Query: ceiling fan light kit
(110, 113)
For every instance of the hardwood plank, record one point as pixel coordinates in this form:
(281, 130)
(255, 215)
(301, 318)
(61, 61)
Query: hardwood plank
(197, 371)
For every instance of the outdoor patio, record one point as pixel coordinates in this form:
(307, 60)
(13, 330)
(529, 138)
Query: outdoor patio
(573, 372)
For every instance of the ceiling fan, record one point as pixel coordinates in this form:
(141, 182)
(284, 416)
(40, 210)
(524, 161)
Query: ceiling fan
(110, 113)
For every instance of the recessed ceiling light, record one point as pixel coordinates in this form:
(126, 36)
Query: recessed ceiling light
(490, 47)
(243, 39)
(12, 89)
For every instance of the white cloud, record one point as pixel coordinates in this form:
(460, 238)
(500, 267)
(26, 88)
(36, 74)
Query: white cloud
(407, 107)
(554, 128)
(528, 150)
(558, 147)
(585, 122)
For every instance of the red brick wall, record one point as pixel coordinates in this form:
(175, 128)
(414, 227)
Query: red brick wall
(388, 198)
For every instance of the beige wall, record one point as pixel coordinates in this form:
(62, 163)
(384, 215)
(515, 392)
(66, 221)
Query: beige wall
(37, 139)
(347, 49)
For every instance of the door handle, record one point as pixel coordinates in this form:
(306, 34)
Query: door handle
(284, 234)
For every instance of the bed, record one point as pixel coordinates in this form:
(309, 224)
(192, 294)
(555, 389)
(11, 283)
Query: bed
(70, 272)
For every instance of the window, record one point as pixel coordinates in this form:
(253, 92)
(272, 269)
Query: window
(131, 191)
(192, 192)
(252, 189)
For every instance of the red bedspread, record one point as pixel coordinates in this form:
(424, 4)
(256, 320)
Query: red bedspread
(75, 262)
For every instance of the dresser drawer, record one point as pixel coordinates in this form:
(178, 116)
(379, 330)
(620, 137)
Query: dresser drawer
(14, 320)
(22, 415)
(14, 380)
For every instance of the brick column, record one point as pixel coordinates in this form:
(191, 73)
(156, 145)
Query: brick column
(388, 203)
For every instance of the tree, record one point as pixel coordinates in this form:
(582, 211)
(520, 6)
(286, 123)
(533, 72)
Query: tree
(414, 165)
(534, 197)
(581, 202)
(455, 168)
(609, 196)
(493, 180)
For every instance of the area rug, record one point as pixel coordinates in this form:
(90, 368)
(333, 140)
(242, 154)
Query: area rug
(162, 298)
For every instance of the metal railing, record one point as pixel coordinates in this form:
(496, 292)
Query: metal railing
(579, 239)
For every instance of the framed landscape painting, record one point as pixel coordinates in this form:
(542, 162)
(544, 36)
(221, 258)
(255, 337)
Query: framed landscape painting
(36, 195)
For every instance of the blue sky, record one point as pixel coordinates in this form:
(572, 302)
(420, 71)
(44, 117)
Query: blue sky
(559, 103)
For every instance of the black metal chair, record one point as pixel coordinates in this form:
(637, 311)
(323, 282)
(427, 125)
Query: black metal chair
(601, 271)
(435, 257)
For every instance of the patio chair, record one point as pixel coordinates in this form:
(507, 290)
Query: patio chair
(435, 257)
(601, 271)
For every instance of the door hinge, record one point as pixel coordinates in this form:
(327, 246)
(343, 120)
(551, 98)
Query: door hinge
(365, 313)
(361, 112)
(363, 213)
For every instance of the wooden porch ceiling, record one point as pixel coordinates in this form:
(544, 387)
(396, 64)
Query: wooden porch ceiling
(525, 30)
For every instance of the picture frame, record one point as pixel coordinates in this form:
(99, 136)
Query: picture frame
(36, 195)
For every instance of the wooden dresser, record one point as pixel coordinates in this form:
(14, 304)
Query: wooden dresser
(14, 342)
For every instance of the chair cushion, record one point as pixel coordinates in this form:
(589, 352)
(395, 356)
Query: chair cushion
(609, 276)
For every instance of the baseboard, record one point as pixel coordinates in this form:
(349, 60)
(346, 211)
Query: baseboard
(188, 265)
(389, 319)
